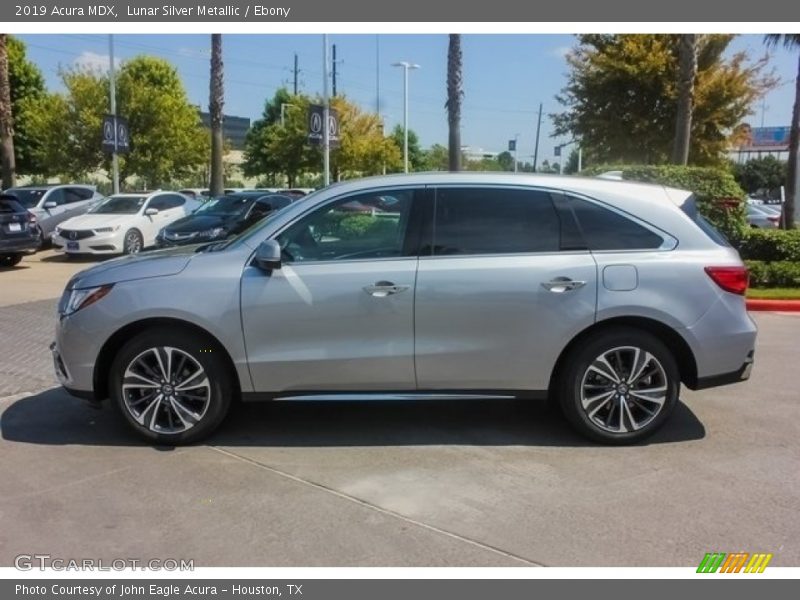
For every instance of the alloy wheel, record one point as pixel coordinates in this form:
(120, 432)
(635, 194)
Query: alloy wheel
(166, 390)
(623, 389)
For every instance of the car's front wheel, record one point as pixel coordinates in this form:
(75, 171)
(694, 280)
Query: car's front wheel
(133, 242)
(173, 387)
(619, 386)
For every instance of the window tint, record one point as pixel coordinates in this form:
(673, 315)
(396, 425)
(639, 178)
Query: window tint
(357, 227)
(56, 196)
(78, 194)
(603, 229)
(167, 201)
(494, 221)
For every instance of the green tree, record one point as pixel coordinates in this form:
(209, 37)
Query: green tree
(277, 144)
(767, 173)
(417, 160)
(27, 86)
(791, 41)
(167, 137)
(437, 158)
(168, 141)
(621, 96)
(506, 160)
(363, 149)
(571, 165)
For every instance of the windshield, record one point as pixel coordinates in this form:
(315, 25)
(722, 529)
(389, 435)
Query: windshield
(119, 205)
(225, 205)
(28, 197)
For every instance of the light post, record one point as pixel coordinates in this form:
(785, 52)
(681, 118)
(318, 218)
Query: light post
(284, 106)
(113, 102)
(406, 66)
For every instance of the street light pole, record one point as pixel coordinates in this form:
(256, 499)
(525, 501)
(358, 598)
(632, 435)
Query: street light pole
(516, 151)
(113, 94)
(326, 144)
(406, 66)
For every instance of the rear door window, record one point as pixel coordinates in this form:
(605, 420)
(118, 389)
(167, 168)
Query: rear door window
(486, 220)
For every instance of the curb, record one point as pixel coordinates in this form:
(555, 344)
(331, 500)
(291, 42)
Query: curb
(773, 305)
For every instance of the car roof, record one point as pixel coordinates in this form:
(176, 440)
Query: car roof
(50, 186)
(631, 190)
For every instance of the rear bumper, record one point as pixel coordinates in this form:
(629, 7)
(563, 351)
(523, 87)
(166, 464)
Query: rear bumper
(27, 245)
(740, 374)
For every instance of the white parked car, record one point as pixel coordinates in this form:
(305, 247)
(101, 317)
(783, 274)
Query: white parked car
(123, 223)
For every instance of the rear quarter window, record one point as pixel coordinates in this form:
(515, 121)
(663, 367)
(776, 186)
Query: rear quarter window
(604, 229)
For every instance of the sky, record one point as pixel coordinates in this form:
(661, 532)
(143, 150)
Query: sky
(506, 76)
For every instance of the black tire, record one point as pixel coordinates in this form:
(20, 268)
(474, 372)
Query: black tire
(133, 242)
(615, 420)
(207, 405)
(10, 260)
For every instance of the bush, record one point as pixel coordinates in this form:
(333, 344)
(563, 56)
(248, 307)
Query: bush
(771, 245)
(719, 197)
(783, 273)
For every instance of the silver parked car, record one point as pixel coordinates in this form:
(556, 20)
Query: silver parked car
(605, 295)
(52, 204)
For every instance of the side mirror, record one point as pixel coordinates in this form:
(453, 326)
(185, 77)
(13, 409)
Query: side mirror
(50, 204)
(268, 255)
(149, 212)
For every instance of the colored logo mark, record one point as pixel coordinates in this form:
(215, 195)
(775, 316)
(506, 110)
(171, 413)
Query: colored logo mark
(738, 562)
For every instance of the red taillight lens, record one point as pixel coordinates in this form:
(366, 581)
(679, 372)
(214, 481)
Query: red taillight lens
(730, 279)
(773, 219)
(31, 218)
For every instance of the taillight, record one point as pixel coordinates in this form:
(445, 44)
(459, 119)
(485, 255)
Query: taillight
(773, 219)
(730, 279)
(31, 218)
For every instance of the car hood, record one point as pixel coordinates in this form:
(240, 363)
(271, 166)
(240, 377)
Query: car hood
(200, 223)
(93, 221)
(157, 263)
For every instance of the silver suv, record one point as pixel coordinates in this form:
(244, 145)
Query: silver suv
(604, 295)
(52, 204)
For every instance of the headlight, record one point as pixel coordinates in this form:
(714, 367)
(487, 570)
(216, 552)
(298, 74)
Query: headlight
(106, 229)
(216, 232)
(78, 299)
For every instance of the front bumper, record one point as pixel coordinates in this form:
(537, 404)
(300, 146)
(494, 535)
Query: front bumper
(104, 243)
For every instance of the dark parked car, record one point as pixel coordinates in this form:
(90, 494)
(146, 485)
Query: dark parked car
(221, 217)
(19, 234)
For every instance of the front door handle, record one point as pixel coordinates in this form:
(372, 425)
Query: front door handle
(381, 289)
(559, 285)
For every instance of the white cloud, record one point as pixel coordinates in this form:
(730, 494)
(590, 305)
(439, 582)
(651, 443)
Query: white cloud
(92, 61)
(560, 51)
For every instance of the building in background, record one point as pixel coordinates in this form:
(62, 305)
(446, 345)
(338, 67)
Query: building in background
(758, 142)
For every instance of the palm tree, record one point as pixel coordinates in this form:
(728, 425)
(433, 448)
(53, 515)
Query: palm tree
(216, 100)
(455, 93)
(687, 72)
(791, 41)
(6, 119)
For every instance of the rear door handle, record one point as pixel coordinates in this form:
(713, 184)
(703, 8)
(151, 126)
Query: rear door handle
(559, 285)
(381, 289)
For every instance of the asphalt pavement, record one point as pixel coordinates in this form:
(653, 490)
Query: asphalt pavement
(439, 483)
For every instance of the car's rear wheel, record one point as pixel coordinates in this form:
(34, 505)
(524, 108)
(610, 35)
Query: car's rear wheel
(9, 260)
(133, 242)
(173, 387)
(619, 386)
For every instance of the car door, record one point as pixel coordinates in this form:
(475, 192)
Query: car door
(52, 216)
(338, 315)
(502, 287)
(169, 210)
(77, 200)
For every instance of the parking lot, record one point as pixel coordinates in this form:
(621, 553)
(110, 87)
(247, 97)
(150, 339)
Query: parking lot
(481, 483)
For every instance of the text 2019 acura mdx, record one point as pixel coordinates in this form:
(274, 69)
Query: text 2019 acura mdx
(605, 295)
